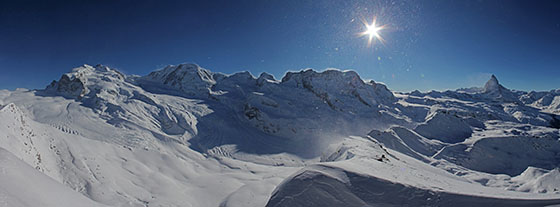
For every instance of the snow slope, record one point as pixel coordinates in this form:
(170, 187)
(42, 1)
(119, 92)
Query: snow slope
(119, 173)
(24, 186)
(368, 179)
(186, 136)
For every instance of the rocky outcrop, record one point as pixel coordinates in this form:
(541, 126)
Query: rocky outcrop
(495, 91)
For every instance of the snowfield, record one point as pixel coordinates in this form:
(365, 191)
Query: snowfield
(186, 136)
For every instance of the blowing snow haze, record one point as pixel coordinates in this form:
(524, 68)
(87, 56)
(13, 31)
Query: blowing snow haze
(320, 114)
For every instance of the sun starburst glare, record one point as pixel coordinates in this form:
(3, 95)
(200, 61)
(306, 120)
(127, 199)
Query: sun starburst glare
(372, 31)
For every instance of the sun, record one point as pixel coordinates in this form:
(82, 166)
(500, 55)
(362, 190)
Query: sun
(372, 31)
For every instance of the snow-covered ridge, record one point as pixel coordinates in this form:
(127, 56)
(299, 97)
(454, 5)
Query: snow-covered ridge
(264, 102)
(335, 83)
(77, 83)
(190, 79)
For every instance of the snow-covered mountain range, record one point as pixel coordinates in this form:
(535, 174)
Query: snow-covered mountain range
(187, 136)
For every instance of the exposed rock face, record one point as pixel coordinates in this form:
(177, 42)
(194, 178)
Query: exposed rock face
(71, 85)
(495, 91)
(492, 85)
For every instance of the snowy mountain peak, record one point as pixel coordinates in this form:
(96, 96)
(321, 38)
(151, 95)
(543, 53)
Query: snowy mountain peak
(79, 82)
(492, 84)
(173, 75)
(265, 75)
(348, 76)
(495, 91)
(308, 78)
(188, 78)
(102, 68)
(332, 85)
(86, 69)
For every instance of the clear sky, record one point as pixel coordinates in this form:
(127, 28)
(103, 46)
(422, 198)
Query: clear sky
(431, 44)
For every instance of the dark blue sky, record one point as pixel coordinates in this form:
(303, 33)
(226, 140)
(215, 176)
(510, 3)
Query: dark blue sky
(435, 44)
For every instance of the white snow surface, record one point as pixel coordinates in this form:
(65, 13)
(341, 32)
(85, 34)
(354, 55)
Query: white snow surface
(24, 186)
(186, 136)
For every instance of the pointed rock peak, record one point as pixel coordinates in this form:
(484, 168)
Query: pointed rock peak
(494, 90)
(492, 84)
(493, 79)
